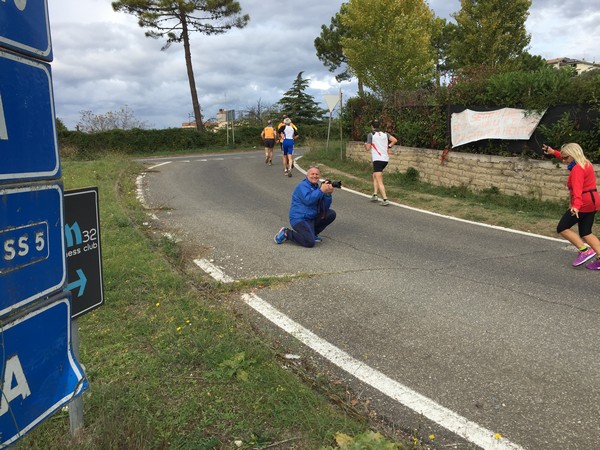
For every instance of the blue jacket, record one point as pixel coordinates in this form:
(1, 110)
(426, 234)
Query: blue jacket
(308, 200)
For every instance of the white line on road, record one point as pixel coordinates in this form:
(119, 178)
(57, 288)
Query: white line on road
(448, 419)
(213, 271)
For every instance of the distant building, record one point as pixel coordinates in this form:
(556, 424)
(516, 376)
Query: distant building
(188, 125)
(579, 65)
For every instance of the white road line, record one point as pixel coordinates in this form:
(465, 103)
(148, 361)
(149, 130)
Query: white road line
(448, 419)
(495, 227)
(158, 165)
(213, 271)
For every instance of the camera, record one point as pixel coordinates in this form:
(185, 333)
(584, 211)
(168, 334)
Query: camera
(335, 184)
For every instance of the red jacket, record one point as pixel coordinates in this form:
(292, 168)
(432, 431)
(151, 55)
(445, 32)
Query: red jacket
(582, 187)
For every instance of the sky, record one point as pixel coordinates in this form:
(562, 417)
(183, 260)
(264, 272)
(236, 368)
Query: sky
(103, 62)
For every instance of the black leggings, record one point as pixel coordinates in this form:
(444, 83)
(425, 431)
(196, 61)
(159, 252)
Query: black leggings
(304, 232)
(585, 222)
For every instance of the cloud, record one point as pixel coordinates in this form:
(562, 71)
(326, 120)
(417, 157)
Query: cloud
(103, 61)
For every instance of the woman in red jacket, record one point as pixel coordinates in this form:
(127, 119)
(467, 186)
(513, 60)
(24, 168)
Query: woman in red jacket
(583, 205)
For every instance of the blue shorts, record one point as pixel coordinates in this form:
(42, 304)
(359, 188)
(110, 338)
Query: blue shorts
(287, 146)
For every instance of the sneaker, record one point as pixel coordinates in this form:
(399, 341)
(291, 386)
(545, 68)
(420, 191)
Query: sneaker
(594, 265)
(583, 257)
(285, 174)
(270, 162)
(318, 239)
(374, 198)
(281, 235)
(385, 203)
(266, 160)
(290, 173)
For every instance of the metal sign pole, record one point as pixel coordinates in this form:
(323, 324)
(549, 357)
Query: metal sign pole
(341, 139)
(76, 406)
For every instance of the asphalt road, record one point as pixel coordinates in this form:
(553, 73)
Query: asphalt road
(493, 326)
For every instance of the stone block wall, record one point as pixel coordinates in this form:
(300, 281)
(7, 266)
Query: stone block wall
(529, 178)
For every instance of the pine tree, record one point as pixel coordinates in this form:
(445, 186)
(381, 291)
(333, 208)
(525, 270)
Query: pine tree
(300, 106)
(175, 19)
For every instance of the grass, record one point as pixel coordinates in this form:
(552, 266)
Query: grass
(488, 206)
(170, 367)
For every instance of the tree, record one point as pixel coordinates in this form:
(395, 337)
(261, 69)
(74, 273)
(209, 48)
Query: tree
(259, 113)
(123, 119)
(440, 39)
(299, 105)
(489, 33)
(330, 51)
(388, 45)
(175, 19)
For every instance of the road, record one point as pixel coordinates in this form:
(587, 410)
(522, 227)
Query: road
(480, 336)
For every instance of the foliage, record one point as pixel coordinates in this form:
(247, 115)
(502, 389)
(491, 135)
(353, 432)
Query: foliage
(174, 19)
(488, 32)
(60, 125)
(78, 145)
(566, 130)
(329, 46)
(257, 115)
(123, 119)
(369, 440)
(389, 43)
(300, 106)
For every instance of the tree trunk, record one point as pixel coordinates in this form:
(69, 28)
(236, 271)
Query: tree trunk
(190, 72)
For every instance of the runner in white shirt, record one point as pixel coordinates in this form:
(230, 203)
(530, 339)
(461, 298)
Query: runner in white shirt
(379, 143)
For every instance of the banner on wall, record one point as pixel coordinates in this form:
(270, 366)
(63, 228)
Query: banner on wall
(506, 123)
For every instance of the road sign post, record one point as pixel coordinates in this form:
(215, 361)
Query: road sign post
(31, 243)
(25, 28)
(40, 374)
(28, 140)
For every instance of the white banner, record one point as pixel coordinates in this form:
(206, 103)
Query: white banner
(507, 123)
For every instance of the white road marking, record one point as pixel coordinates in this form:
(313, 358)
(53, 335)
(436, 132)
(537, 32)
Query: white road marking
(448, 419)
(158, 165)
(495, 227)
(213, 271)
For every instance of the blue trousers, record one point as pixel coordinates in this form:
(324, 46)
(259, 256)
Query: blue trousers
(304, 232)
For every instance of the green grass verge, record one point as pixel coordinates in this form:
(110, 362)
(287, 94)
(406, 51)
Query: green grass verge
(169, 366)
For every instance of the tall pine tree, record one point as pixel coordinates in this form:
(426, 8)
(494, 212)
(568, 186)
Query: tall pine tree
(300, 106)
(176, 19)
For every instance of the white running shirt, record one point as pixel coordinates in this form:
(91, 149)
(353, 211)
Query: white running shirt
(379, 146)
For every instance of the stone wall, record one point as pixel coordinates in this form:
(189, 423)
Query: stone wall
(529, 178)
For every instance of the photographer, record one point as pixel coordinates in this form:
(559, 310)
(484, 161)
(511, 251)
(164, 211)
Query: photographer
(310, 211)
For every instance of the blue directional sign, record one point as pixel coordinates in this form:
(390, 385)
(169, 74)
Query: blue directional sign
(25, 28)
(28, 142)
(39, 373)
(33, 263)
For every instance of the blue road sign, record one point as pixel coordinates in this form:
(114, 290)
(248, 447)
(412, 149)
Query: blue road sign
(25, 28)
(28, 142)
(39, 373)
(33, 263)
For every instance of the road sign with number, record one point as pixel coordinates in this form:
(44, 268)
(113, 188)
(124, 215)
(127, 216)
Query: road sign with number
(84, 257)
(33, 264)
(25, 28)
(38, 374)
(28, 140)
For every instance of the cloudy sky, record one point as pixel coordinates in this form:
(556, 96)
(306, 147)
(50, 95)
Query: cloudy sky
(103, 61)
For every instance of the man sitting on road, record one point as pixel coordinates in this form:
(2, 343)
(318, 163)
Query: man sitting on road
(310, 211)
